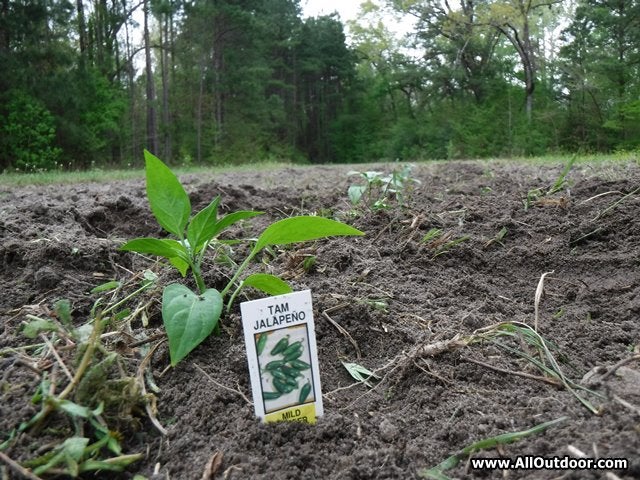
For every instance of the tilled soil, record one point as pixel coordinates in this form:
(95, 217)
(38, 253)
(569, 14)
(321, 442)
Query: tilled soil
(407, 309)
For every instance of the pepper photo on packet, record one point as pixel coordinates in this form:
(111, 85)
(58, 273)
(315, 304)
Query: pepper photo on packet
(285, 369)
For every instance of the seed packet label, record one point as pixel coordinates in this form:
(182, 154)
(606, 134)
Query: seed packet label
(280, 337)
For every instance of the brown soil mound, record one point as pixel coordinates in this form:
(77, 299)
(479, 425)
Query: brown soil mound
(398, 298)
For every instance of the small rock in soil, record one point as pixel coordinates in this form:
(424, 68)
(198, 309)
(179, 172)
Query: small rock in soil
(46, 277)
(388, 431)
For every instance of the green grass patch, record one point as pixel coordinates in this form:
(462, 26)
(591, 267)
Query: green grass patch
(99, 175)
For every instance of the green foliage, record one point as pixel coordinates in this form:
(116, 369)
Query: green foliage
(188, 317)
(437, 472)
(91, 128)
(379, 189)
(282, 87)
(269, 284)
(361, 374)
(98, 399)
(27, 134)
(536, 194)
(168, 201)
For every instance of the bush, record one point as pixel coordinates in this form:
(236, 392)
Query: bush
(27, 134)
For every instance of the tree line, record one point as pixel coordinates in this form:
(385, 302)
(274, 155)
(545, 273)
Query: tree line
(92, 82)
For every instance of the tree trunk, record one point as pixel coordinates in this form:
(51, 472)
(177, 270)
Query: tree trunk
(199, 114)
(528, 59)
(152, 129)
(82, 33)
(525, 52)
(217, 95)
(164, 65)
(133, 150)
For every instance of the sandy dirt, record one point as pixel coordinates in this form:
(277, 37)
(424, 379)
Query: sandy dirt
(407, 306)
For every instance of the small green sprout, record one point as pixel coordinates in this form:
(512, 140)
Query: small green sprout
(440, 242)
(309, 263)
(536, 195)
(431, 235)
(376, 303)
(561, 182)
(498, 238)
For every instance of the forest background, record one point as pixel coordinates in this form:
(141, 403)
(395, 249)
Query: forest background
(90, 83)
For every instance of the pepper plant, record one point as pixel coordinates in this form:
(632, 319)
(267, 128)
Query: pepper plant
(190, 317)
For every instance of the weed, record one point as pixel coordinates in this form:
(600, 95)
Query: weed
(380, 189)
(561, 182)
(542, 358)
(440, 242)
(498, 238)
(361, 374)
(541, 195)
(528, 339)
(98, 399)
(431, 235)
(380, 304)
(436, 473)
(309, 263)
(615, 204)
(191, 317)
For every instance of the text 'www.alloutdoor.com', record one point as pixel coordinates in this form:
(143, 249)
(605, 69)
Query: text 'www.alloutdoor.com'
(533, 462)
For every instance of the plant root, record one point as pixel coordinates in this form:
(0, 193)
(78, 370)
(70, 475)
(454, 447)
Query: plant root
(621, 363)
(212, 466)
(19, 469)
(150, 403)
(550, 381)
(341, 329)
(224, 387)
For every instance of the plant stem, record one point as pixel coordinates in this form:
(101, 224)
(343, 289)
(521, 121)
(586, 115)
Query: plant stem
(198, 277)
(92, 343)
(127, 298)
(235, 294)
(242, 266)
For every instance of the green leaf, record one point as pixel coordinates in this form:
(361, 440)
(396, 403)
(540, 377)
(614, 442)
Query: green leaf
(188, 318)
(180, 264)
(301, 229)
(74, 409)
(37, 325)
(167, 198)
(355, 193)
(149, 277)
(106, 287)
(269, 284)
(503, 439)
(70, 452)
(358, 372)
(121, 314)
(63, 310)
(113, 464)
(202, 227)
(234, 217)
(162, 247)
